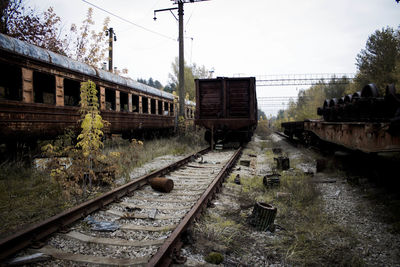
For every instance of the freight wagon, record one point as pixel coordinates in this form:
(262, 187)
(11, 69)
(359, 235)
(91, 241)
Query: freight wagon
(227, 108)
(363, 121)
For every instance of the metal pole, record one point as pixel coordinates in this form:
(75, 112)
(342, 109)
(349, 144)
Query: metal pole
(110, 49)
(181, 63)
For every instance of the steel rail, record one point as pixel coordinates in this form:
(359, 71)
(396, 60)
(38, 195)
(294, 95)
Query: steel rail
(38, 231)
(166, 253)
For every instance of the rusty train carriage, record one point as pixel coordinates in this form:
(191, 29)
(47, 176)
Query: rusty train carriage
(40, 91)
(227, 108)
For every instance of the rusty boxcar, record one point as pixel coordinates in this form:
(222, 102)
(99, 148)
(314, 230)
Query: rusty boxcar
(227, 108)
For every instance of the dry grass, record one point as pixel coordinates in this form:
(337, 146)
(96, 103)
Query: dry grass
(133, 156)
(263, 130)
(26, 196)
(306, 236)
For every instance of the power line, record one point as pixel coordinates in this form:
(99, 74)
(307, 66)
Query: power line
(130, 22)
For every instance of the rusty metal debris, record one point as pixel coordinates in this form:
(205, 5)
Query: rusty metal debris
(28, 259)
(161, 184)
(271, 179)
(102, 226)
(245, 163)
(237, 179)
(153, 214)
(277, 150)
(263, 216)
(282, 163)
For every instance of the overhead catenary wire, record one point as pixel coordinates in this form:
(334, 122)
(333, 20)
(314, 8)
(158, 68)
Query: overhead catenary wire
(130, 22)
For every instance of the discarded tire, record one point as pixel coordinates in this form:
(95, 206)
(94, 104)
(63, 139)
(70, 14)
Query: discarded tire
(263, 216)
(162, 184)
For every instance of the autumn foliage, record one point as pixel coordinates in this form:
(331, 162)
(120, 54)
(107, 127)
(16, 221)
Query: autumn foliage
(46, 30)
(78, 167)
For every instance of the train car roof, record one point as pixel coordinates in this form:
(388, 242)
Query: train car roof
(25, 49)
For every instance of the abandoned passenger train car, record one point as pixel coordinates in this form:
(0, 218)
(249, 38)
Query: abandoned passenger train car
(40, 93)
(227, 108)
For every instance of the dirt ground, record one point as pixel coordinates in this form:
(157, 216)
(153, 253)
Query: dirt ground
(329, 218)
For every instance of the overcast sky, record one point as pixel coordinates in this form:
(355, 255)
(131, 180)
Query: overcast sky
(253, 37)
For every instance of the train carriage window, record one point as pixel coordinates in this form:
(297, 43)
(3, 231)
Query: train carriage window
(166, 109)
(135, 103)
(44, 88)
(160, 111)
(145, 105)
(72, 92)
(110, 99)
(171, 108)
(10, 82)
(153, 106)
(123, 100)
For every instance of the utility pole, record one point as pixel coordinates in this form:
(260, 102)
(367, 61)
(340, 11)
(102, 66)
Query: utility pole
(181, 78)
(181, 62)
(111, 37)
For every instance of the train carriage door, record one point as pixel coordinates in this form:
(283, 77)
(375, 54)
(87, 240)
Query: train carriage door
(211, 98)
(238, 98)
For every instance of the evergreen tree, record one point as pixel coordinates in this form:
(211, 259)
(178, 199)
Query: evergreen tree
(377, 62)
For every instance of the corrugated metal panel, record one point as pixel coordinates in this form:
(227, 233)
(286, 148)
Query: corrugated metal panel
(238, 101)
(211, 98)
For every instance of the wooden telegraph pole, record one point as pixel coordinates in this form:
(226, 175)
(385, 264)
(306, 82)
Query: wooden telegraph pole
(181, 78)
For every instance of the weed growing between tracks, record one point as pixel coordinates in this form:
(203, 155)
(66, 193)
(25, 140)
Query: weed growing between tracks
(133, 156)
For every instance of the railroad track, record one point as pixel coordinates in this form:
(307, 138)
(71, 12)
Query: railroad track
(145, 227)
